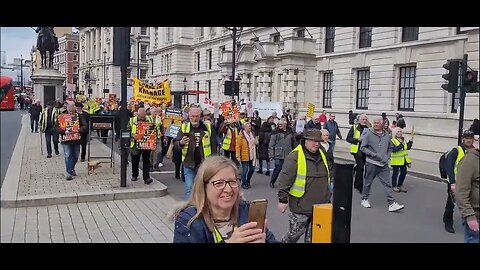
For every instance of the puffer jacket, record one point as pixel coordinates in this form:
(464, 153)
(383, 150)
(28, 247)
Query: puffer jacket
(241, 147)
(316, 188)
(198, 231)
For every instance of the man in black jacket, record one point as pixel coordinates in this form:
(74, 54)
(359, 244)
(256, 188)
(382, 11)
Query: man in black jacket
(453, 158)
(354, 139)
(35, 111)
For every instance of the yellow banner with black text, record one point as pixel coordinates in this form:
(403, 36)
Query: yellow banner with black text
(159, 93)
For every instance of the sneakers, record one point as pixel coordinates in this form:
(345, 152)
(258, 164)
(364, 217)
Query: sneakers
(365, 203)
(69, 177)
(160, 165)
(396, 189)
(74, 173)
(148, 181)
(402, 189)
(393, 207)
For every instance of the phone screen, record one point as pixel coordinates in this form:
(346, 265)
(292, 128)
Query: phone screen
(258, 212)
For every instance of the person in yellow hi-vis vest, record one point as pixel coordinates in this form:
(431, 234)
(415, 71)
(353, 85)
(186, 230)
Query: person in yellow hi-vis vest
(354, 138)
(303, 182)
(453, 159)
(230, 130)
(399, 160)
(196, 143)
(157, 158)
(135, 152)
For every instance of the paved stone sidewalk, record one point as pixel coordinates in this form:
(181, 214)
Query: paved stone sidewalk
(119, 221)
(41, 180)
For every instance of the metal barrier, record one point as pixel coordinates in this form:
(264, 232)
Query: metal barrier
(102, 123)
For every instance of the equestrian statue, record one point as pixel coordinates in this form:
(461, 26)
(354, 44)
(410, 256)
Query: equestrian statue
(47, 41)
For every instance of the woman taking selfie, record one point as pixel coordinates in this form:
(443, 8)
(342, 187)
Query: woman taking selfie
(215, 212)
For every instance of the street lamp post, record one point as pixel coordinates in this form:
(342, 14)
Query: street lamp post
(184, 88)
(234, 31)
(21, 73)
(138, 56)
(104, 71)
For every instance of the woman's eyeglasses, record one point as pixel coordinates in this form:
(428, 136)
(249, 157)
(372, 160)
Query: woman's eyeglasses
(221, 184)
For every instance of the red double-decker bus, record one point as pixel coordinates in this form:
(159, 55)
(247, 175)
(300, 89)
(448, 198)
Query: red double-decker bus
(7, 97)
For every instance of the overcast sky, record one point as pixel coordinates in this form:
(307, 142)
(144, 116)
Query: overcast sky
(16, 41)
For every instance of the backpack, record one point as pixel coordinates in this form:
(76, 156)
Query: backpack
(442, 165)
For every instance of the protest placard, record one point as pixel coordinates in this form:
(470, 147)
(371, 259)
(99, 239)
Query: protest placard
(146, 136)
(71, 124)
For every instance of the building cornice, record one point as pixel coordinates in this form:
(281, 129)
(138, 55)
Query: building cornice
(395, 46)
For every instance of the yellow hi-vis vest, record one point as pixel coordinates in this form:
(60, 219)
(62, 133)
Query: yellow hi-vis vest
(43, 124)
(228, 138)
(133, 125)
(207, 150)
(461, 154)
(158, 125)
(356, 135)
(298, 188)
(398, 158)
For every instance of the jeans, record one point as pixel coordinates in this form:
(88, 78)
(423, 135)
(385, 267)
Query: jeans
(145, 161)
(383, 173)
(34, 124)
(71, 151)
(48, 139)
(403, 173)
(276, 171)
(470, 236)
(333, 144)
(247, 172)
(189, 174)
(260, 164)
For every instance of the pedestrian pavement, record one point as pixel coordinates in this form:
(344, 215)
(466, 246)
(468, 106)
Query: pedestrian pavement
(34, 180)
(118, 221)
(420, 168)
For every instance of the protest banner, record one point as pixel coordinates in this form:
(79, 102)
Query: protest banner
(265, 109)
(155, 94)
(146, 136)
(71, 124)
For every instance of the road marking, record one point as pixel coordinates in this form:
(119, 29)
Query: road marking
(163, 172)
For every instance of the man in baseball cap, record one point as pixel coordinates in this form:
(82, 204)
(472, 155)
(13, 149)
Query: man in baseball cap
(453, 159)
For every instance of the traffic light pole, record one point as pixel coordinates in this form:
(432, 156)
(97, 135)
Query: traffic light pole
(462, 99)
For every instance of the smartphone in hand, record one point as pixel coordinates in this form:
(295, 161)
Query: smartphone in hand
(258, 212)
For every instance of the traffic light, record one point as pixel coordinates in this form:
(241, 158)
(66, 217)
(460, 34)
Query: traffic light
(452, 66)
(470, 81)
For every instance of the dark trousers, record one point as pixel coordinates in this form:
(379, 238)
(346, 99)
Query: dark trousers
(231, 155)
(403, 172)
(34, 124)
(146, 164)
(359, 170)
(449, 206)
(276, 171)
(83, 143)
(49, 133)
